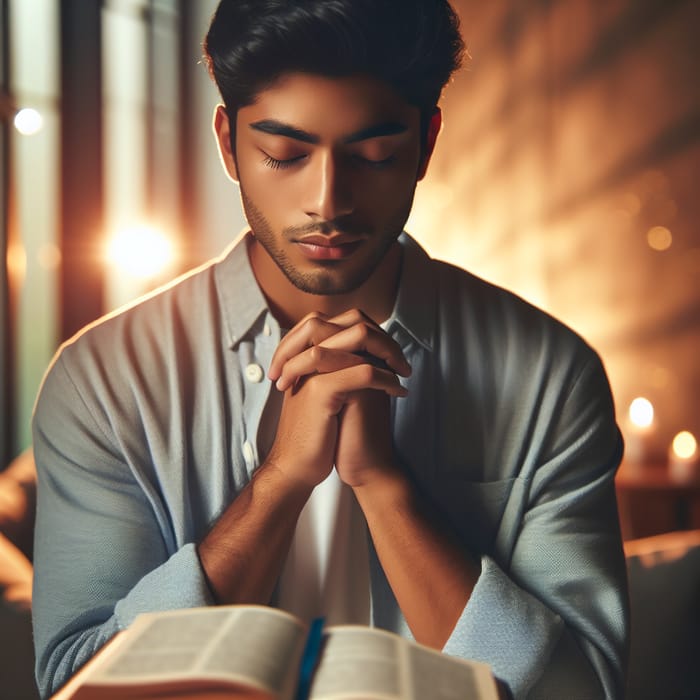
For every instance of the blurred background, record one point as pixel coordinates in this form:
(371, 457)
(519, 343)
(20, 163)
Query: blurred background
(567, 171)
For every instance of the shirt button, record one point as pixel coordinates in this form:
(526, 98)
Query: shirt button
(254, 373)
(248, 453)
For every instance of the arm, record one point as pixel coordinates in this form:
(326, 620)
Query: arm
(243, 554)
(106, 549)
(549, 611)
(430, 575)
(103, 550)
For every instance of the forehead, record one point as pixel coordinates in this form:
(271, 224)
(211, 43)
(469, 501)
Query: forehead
(330, 107)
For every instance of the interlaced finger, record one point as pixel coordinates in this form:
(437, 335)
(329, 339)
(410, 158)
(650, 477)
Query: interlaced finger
(316, 360)
(312, 330)
(337, 386)
(350, 332)
(371, 341)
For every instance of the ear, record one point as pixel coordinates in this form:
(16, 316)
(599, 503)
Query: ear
(433, 130)
(222, 131)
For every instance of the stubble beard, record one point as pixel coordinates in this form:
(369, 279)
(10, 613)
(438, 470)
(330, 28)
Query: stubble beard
(325, 281)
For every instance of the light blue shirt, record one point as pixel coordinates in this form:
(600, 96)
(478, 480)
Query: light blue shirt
(152, 420)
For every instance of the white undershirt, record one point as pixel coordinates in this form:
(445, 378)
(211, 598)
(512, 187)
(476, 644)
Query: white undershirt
(327, 570)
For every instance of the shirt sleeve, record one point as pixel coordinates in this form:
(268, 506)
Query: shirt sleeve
(103, 552)
(549, 611)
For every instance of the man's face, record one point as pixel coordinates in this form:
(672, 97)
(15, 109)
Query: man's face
(327, 169)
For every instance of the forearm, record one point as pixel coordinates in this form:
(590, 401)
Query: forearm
(430, 575)
(243, 554)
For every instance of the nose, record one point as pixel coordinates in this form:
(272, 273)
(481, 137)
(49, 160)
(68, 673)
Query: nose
(329, 189)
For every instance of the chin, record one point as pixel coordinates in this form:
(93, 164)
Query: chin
(327, 283)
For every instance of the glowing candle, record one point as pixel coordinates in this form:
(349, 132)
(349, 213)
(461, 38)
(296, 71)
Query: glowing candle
(683, 456)
(641, 430)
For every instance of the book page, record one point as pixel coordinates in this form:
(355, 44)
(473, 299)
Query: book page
(358, 662)
(441, 677)
(257, 646)
(269, 653)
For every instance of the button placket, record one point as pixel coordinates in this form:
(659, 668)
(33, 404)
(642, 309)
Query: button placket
(257, 357)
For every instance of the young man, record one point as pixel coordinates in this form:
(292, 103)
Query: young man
(427, 453)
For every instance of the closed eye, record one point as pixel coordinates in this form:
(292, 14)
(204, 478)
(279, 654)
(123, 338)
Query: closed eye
(378, 164)
(276, 164)
(281, 164)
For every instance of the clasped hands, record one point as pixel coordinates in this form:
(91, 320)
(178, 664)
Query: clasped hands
(337, 374)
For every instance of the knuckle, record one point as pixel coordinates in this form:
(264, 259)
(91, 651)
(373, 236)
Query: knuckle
(313, 321)
(313, 324)
(316, 354)
(367, 373)
(362, 332)
(312, 315)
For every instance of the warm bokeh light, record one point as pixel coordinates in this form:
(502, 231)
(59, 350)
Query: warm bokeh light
(49, 256)
(684, 445)
(28, 121)
(659, 238)
(141, 251)
(16, 261)
(641, 412)
(631, 204)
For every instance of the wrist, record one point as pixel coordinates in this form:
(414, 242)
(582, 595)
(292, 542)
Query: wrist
(283, 479)
(385, 484)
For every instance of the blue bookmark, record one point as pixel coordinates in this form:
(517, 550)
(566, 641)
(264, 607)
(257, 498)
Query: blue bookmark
(309, 658)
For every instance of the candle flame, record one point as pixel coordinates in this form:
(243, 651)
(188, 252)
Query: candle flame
(685, 445)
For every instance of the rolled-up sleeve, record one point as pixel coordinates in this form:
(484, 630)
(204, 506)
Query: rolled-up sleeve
(549, 611)
(103, 552)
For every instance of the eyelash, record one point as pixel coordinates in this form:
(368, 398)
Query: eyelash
(276, 164)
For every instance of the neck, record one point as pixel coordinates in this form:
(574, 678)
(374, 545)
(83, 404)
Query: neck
(288, 304)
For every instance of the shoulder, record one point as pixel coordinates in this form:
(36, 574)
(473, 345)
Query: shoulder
(152, 320)
(525, 368)
(500, 318)
(483, 331)
(135, 345)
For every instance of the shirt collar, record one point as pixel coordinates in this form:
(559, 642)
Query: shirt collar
(240, 296)
(414, 309)
(243, 302)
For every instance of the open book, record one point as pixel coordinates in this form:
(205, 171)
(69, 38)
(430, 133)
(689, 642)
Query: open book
(242, 651)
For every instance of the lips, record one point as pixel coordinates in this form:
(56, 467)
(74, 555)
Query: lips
(318, 247)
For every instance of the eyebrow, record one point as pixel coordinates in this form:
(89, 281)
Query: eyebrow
(277, 128)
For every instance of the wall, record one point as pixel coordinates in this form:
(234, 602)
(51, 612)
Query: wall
(571, 146)
(218, 216)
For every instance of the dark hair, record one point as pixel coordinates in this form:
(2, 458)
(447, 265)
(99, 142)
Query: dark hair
(413, 45)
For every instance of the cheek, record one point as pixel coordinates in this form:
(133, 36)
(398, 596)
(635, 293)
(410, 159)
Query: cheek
(387, 196)
(266, 193)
